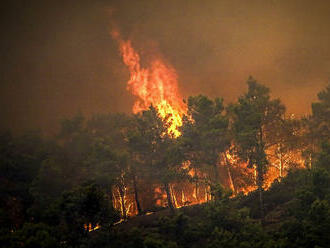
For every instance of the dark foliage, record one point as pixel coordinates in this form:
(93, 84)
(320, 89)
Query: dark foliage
(60, 192)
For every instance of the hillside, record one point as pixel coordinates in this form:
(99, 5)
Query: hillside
(297, 215)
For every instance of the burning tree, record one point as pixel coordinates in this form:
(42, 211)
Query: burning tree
(284, 147)
(254, 115)
(108, 159)
(205, 136)
(156, 150)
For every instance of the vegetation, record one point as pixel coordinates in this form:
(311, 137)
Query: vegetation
(73, 190)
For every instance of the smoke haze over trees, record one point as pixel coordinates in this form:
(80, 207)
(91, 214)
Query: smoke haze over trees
(58, 57)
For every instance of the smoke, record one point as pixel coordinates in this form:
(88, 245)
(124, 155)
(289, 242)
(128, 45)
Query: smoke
(58, 58)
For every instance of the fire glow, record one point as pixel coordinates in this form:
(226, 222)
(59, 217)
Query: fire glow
(156, 85)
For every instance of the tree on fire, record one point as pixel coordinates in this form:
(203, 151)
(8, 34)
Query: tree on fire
(205, 136)
(254, 116)
(53, 191)
(284, 145)
(156, 150)
(109, 160)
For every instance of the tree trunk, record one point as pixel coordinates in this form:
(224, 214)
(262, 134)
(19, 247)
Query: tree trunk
(260, 190)
(207, 193)
(169, 198)
(174, 201)
(280, 156)
(215, 166)
(261, 202)
(281, 166)
(196, 186)
(122, 201)
(232, 186)
(260, 174)
(136, 196)
(196, 191)
(229, 175)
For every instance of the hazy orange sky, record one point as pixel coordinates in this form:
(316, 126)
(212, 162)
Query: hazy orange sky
(57, 57)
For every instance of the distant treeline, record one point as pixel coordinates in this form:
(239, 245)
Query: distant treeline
(97, 171)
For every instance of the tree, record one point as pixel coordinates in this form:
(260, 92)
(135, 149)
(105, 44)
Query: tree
(317, 126)
(76, 142)
(254, 116)
(156, 150)
(110, 161)
(284, 144)
(321, 114)
(205, 134)
(20, 160)
(109, 168)
(49, 184)
(82, 207)
(324, 157)
(35, 235)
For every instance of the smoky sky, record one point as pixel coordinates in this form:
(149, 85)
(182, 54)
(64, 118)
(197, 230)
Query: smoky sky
(58, 58)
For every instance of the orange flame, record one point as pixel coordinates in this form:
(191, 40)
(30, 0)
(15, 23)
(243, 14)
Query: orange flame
(156, 85)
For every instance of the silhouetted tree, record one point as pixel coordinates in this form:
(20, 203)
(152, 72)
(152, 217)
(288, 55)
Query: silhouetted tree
(254, 114)
(157, 150)
(205, 135)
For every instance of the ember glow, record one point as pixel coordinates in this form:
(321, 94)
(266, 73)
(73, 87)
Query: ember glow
(156, 85)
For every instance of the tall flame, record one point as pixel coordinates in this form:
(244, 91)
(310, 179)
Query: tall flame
(155, 85)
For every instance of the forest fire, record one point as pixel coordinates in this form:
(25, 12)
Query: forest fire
(235, 175)
(165, 124)
(155, 85)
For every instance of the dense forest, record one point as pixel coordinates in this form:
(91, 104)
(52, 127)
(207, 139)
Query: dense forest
(246, 174)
